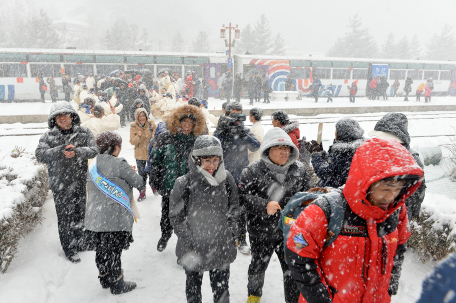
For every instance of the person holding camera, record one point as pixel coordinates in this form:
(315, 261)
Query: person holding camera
(236, 141)
(65, 148)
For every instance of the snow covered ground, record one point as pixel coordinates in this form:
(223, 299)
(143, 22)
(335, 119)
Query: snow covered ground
(40, 272)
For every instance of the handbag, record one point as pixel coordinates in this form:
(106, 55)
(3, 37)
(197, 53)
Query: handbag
(44, 87)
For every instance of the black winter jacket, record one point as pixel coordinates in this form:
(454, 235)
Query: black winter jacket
(258, 186)
(66, 174)
(204, 218)
(332, 168)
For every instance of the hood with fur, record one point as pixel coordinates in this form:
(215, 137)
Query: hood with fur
(186, 111)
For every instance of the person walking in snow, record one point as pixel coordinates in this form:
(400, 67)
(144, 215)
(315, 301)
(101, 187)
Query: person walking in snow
(280, 119)
(204, 212)
(427, 93)
(237, 141)
(419, 91)
(110, 212)
(65, 148)
(353, 89)
(237, 88)
(430, 84)
(382, 175)
(266, 90)
(252, 88)
(66, 87)
(43, 87)
(330, 92)
(99, 122)
(395, 126)
(168, 158)
(141, 132)
(408, 87)
(52, 88)
(257, 130)
(332, 167)
(396, 86)
(316, 87)
(265, 188)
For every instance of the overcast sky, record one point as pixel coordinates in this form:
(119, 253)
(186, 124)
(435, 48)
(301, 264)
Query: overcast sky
(310, 26)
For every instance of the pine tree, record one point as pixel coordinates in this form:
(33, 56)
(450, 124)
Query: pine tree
(389, 48)
(415, 48)
(357, 42)
(403, 49)
(262, 37)
(201, 43)
(246, 43)
(278, 47)
(178, 43)
(442, 46)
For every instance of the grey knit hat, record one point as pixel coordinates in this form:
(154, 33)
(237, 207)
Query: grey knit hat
(348, 130)
(207, 146)
(396, 124)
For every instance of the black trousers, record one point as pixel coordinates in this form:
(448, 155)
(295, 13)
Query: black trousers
(67, 97)
(228, 95)
(418, 95)
(42, 96)
(258, 96)
(406, 96)
(352, 98)
(141, 165)
(123, 113)
(70, 208)
(108, 254)
(329, 99)
(165, 223)
(237, 96)
(262, 251)
(219, 284)
(266, 98)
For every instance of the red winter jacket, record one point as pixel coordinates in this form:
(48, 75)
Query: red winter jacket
(189, 84)
(373, 83)
(292, 129)
(357, 266)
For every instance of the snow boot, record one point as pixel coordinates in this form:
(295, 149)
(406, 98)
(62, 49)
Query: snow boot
(74, 258)
(253, 299)
(163, 242)
(154, 191)
(104, 280)
(242, 245)
(119, 286)
(142, 195)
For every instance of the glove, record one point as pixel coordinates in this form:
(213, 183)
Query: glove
(315, 147)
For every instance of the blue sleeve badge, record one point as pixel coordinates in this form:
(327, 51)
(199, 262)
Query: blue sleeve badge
(299, 241)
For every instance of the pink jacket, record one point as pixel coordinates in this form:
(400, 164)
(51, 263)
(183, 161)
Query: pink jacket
(427, 91)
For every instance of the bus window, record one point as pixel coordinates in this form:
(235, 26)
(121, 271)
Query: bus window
(341, 73)
(397, 74)
(323, 73)
(431, 74)
(45, 69)
(359, 74)
(415, 74)
(170, 68)
(106, 69)
(13, 70)
(212, 72)
(299, 73)
(445, 75)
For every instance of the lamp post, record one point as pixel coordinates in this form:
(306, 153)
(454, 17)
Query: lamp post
(223, 35)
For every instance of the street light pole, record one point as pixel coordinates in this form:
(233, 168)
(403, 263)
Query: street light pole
(238, 32)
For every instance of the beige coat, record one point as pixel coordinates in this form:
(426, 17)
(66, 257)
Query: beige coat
(258, 131)
(97, 125)
(83, 116)
(141, 142)
(90, 82)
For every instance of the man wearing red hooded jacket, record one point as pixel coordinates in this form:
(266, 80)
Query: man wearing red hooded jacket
(363, 263)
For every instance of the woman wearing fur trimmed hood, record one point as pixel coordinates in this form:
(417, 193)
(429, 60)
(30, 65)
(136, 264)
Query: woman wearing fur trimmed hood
(332, 167)
(168, 157)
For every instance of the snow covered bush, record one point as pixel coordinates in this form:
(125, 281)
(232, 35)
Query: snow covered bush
(23, 189)
(434, 232)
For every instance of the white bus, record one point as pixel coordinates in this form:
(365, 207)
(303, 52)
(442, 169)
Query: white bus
(341, 72)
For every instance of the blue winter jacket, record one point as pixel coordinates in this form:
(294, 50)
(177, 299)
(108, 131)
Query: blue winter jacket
(161, 128)
(441, 285)
(235, 150)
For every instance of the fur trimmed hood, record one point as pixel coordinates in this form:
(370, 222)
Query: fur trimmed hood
(173, 122)
(291, 126)
(344, 147)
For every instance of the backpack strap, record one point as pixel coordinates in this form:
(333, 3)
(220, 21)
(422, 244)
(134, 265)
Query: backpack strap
(336, 218)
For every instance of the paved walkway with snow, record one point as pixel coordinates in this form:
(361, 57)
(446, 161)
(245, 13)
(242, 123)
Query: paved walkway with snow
(41, 273)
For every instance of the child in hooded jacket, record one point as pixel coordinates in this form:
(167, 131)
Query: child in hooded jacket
(427, 94)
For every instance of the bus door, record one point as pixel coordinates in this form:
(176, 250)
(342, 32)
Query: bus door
(212, 74)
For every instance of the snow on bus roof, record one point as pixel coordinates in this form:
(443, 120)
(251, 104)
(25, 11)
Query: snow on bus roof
(108, 52)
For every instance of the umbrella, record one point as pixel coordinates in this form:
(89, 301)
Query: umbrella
(145, 72)
(164, 69)
(115, 72)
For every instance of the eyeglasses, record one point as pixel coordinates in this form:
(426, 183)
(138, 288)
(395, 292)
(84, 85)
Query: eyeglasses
(207, 162)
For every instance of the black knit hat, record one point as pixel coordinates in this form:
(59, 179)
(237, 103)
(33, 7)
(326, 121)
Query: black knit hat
(348, 130)
(396, 124)
(281, 116)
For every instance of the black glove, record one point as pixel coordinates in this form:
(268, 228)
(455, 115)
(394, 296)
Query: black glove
(315, 147)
